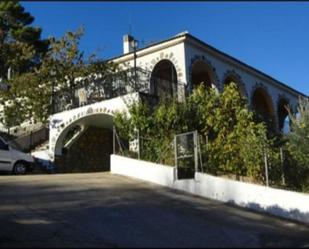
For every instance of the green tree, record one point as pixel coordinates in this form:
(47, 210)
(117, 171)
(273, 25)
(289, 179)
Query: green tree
(298, 140)
(21, 45)
(63, 69)
(203, 103)
(236, 144)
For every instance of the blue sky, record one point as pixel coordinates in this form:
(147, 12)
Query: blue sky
(272, 37)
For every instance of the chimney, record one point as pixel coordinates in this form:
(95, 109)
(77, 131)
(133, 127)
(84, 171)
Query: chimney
(128, 44)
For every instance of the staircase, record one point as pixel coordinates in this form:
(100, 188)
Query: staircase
(42, 146)
(35, 142)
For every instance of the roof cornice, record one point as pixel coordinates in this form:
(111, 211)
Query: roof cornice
(231, 60)
(185, 37)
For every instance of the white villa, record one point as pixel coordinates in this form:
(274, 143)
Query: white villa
(170, 67)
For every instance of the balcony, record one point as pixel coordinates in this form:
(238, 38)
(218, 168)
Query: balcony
(115, 85)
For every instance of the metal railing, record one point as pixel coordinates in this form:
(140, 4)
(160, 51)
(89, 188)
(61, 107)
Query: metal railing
(190, 152)
(20, 130)
(29, 141)
(115, 85)
(101, 88)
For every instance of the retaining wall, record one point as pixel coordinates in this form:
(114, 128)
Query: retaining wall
(283, 203)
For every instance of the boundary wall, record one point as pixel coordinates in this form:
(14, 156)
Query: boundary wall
(283, 203)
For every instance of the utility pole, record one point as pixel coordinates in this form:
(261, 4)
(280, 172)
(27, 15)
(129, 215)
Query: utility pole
(52, 93)
(52, 98)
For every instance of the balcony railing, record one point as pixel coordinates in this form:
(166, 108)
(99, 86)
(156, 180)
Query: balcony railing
(115, 85)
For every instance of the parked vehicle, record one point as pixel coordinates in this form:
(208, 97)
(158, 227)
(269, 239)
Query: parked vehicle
(13, 160)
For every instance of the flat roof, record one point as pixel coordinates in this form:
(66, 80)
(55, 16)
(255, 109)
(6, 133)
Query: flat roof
(189, 36)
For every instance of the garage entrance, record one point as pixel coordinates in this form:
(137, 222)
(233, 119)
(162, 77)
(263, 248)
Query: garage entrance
(85, 145)
(90, 152)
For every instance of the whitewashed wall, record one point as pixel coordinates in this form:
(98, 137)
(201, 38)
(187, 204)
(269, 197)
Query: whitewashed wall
(181, 52)
(148, 58)
(60, 122)
(278, 202)
(156, 173)
(223, 65)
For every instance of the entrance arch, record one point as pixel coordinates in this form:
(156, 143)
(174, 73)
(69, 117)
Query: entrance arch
(99, 120)
(163, 80)
(85, 145)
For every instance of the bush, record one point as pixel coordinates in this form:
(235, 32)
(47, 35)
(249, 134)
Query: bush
(236, 143)
(298, 140)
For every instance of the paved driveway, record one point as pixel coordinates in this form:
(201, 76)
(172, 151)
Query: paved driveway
(104, 210)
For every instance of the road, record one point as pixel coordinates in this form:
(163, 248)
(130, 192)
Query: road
(105, 210)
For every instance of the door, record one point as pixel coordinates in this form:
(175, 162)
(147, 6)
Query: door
(5, 156)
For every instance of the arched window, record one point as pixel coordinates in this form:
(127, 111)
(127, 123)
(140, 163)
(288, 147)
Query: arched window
(263, 107)
(164, 79)
(231, 78)
(201, 74)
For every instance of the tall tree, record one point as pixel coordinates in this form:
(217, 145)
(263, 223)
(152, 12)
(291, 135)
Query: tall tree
(21, 46)
(64, 68)
(236, 143)
(298, 140)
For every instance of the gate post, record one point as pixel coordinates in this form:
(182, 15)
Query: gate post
(139, 146)
(114, 142)
(195, 151)
(30, 141)
(266, 167)
(175, 152)
(282, 165)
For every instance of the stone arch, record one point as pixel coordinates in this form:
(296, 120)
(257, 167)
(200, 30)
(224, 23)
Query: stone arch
(202, 71)
(163, 79)
(282, 111)
(85, 144)
(101, 120)
(262, 104)
(165, 56)
(230, 76)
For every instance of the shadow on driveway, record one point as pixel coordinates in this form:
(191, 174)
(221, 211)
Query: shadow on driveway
(104, 210)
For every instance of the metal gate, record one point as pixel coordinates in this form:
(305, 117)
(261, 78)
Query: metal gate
(186, 154)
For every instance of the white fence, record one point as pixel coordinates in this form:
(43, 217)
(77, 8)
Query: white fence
(287, 204)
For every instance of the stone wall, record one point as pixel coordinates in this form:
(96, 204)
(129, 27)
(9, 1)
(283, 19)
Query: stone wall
(90, 153)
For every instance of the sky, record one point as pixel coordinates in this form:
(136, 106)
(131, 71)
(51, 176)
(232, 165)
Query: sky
(271, 36)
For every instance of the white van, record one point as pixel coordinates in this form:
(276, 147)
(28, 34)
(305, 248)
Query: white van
(13, 160)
